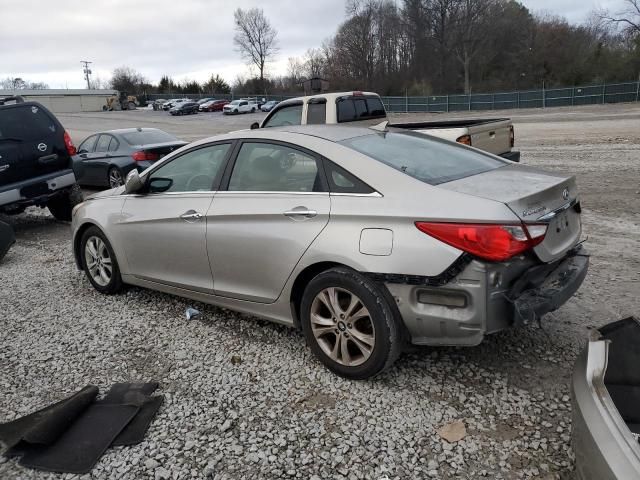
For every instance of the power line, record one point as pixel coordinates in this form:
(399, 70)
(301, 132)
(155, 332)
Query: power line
(87, 72)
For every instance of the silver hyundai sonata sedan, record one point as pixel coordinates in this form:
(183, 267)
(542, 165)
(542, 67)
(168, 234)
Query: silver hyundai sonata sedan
(365, 238)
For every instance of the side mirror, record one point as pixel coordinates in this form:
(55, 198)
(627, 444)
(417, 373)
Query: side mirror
(82, 151)
(255, 125)
(133, 183)
(159, 185)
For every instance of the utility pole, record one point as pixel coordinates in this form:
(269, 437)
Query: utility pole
(87, 71)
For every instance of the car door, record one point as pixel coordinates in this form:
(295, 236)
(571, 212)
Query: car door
(86, 152)
(275, 204)
(97, 165)
(163, 230)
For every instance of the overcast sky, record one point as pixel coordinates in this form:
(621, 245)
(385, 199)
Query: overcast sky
(45, 41)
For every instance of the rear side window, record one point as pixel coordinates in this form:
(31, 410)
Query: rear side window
(289, 115)
(26, 123)
(429, 160)
(114, 145)
(317, 112)
(351, 109)
(341, 181)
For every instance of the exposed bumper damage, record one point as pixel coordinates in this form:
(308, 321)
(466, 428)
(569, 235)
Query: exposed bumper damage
(544, 288)
(606, 409)
(7, 239)
(483, 297)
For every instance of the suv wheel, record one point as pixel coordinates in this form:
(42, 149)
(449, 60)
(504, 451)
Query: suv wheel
(62, 204)
(99, 262)
(349, 324)
(115, 177)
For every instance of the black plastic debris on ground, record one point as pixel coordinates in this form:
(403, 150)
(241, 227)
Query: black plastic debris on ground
(70, 436)
(7, 238)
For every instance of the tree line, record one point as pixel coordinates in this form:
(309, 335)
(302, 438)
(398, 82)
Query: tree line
(422, 47)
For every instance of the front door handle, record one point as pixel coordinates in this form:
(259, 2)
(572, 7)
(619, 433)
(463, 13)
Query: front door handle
(191, 216)
(300, 212)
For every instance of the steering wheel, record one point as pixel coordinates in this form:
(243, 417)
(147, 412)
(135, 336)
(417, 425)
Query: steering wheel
(199, 182)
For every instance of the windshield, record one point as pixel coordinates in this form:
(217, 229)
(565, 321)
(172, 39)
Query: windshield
(148, 137)
(427, 159)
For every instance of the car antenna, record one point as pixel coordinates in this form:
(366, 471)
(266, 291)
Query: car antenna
(381, 127)
(139, 129)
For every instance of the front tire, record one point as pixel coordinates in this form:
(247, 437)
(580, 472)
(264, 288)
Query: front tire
(99, 262)
(61, 205)
(115, 178)
(349, 324)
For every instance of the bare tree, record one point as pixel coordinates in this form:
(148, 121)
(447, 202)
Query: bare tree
(255, 38)
(628, 19)
(17, 83)
(313, 63)
(471, 32)
(295, 72)
(126, 79)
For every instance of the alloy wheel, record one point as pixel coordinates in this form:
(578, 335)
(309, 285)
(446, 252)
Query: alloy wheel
(115, 178)
(342, 326)
(98, 261)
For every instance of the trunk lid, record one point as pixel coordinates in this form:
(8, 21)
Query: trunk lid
(535, 197)
(162, 149)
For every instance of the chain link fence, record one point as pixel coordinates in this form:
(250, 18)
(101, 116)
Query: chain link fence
(543, 98)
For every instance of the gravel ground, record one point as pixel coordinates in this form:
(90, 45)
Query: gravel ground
(245, 398)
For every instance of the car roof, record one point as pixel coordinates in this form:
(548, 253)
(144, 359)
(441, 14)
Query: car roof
(333, 133)
(120, 131)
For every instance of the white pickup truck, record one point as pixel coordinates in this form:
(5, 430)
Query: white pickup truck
(493, 135)
(244, 105)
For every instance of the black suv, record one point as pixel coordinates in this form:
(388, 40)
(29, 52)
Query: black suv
(36, 167)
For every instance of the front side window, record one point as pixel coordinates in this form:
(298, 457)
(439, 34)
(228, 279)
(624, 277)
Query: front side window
(88, 144)
(191, 172)
(266, 167)
(427, 159)
(289, 115)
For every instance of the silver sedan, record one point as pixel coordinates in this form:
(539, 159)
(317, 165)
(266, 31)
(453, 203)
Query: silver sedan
(367, 239)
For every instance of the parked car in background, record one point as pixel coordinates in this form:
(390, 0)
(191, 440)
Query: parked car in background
(493, 135)
(214, 106)
(105, 159)
(158, 104)
(36, 160)
(204, 100)
(239, 106)
(606, 403)
(172, 103)
(267, 107)
(184, 108)
(364, 238)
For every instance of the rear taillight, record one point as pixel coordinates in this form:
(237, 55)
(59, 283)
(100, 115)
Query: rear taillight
(143, 156)
(464, 139)
(512, 136)
(68, 143)
(487, 241)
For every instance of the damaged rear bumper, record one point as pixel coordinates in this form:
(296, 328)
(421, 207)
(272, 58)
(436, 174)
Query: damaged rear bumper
(544, 288)
(485, 298)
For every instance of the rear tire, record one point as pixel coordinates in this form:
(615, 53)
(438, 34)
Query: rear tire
(132, 106)
(99, 262)
(61, 205)
(349, 324)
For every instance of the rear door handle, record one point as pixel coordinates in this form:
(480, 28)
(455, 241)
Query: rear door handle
(191, 216)
(300, 212)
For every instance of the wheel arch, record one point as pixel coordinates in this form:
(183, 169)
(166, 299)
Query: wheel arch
(302, 280)
(77, 238)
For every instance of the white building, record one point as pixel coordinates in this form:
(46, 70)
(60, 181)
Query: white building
(65, 101)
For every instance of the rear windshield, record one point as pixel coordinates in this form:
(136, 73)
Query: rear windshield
(429, 160)
(148, 137)
(26, 123)
(351, 109)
